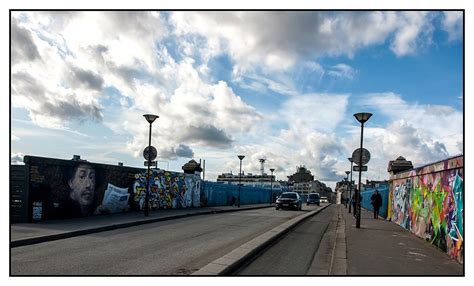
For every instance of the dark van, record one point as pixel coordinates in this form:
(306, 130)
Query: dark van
(313, 198)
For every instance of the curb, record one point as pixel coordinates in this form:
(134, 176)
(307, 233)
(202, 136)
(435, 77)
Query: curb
(339, 254)
(69, 234)
(234, 259)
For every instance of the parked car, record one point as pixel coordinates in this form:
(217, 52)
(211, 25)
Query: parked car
(313, 198)
(324, 200)
(288, 200)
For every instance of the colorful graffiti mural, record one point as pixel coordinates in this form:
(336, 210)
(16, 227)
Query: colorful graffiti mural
(429, 202)
(167, 190)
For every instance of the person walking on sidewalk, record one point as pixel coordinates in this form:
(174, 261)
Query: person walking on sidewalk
(376, 201)
(354, 204)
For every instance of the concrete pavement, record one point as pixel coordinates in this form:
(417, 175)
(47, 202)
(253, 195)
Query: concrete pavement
(381, 247)
(30, 233)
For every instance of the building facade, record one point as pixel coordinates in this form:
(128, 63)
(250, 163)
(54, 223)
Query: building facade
(252, 180)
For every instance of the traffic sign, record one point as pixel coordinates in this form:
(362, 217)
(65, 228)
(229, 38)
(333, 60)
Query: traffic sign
(152, 163)
(151, 152)
(356, 168)
(365, 156)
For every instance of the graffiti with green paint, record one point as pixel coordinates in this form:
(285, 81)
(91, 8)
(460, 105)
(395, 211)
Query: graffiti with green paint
(431, 206)
(167, 190)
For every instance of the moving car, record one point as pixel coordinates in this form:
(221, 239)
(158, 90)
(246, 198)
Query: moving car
(288, 200)
(313, 198)
(324, 200)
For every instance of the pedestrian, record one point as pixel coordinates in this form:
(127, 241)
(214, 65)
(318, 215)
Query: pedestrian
(354, 202)
(376, 201)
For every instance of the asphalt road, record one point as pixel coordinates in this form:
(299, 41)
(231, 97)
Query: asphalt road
(174, 247)
(293, 254)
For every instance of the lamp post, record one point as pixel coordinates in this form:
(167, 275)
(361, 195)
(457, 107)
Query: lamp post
(362, 117)
(241, 157)
(150, 118)
(347, 185)
(350, 185)
(271, 185)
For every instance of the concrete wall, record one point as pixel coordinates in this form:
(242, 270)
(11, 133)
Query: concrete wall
(101, 189)
(429, 201)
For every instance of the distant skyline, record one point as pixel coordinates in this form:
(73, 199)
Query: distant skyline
(223, 85)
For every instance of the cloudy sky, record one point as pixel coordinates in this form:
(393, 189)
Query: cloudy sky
(278, 85)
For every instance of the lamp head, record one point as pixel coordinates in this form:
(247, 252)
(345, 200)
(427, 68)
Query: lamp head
(150, 117)
(348, 172)
(272, 169)
(362, 117)
(241, 156)
(350, 159)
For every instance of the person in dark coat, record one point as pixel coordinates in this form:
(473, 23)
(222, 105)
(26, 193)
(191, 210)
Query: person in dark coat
(376, 201)
(354, 204)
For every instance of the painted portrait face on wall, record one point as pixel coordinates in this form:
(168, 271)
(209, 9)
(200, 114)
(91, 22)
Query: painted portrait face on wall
(82, 185)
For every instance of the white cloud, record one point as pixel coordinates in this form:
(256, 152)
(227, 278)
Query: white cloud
(423, 132)
(309, 138)
(61, 74)
(66, 80)
(16, 158)
(453, 24)
(14, 138)
(314, 112)
(279, 45)
(414, 31)
(342, 71)
(196, 113)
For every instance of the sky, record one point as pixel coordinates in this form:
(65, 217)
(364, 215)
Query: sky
(279, 85)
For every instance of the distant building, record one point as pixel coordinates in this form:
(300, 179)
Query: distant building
(249, 179)
(375, 184)
(303, 182)
(399, 165)
(302, 175)
(310, 187)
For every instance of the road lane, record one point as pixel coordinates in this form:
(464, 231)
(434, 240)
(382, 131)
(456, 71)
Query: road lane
(294, 252)
(172, 247)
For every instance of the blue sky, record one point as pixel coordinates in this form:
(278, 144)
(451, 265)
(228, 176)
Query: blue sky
(224, 86)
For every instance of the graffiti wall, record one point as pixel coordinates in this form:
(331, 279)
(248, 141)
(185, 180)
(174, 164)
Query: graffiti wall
(167, 190)
(58, 189)
(429, 201)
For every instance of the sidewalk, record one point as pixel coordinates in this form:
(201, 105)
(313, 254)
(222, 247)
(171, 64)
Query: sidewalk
(31, 233)
(381, 247)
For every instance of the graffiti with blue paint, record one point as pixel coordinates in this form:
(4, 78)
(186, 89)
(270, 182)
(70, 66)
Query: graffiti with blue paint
(167, 190)
(430, 204)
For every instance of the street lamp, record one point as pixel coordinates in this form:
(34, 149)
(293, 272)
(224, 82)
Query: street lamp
(150, 118)
(350, 185)
(241, 157)
(362, 117)
(271, 185)
(347, 185)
